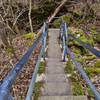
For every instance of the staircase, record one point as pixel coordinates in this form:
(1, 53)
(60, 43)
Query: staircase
(57, 85)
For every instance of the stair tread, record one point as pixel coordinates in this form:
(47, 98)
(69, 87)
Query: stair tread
(63, 98)
(52, 70)
(56, 78)
(57, 88)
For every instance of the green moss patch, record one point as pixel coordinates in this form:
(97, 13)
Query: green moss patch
(37, 90)
(89, 57)
(29, 43)
(97, 64)
(10, 51)
(77, 88)
(69, 69)
(29, 36)
(81, 35)
(39, 85)
(91, 71)
(41, 68)
(97, 39)
(76, 85)
(58, 21)
(77, 81)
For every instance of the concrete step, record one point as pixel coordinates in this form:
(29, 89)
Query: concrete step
(54, 69)
(63, 98)
(58, 89)
(56, 78)
(55, 64)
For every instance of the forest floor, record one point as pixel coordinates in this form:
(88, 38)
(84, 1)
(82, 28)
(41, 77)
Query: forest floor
(8, 61)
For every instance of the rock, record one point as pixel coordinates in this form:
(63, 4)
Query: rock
(41, 78)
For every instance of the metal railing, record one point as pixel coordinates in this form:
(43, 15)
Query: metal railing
(9, 80)
(86, 45)
(42, 53)
(64, 38)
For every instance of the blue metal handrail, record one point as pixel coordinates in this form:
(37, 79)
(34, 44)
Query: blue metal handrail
(78, 65)
(8, 81)
(86, 45)
(32, 83)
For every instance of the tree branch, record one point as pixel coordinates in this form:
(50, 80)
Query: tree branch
(29, 14)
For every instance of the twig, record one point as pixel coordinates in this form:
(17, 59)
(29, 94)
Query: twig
(18, 17)
(7, 24)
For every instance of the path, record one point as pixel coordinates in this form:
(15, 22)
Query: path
(57, 85)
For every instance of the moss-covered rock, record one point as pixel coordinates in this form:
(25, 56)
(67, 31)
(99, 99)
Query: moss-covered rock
(68, 19)
(91, 71)
(89, 57)
(81, 35)
(97, 39)
(97, 64)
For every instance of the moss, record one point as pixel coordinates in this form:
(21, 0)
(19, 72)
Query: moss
(10, 51)
(41, 68)
(81, 35)
(93, 27)
(91, 71)
(97, 64)
(20, 98)
(89, 57)
(85, 40)
(67, 19)
(29, 43)
(77, 88)
(57, 23)
(29, 36)
(39, 85)
(69, 69)
(78, 58)
(76, 50)
(90, 92)
(79, 50)
(97, 39)
(37, 90)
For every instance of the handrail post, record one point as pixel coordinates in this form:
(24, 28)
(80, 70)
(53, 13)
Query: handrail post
(45, 29)
(66, 32)
(64, 37)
